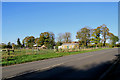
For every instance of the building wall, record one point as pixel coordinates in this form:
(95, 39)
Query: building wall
(69, 46)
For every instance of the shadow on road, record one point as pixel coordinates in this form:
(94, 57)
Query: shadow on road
(91, 71)
(114, 74)
(88, 72)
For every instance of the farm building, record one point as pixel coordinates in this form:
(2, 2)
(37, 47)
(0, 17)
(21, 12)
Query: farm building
(39, 47)
(68, 46)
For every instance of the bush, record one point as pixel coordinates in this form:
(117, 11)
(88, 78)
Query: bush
(110, 46)
(118, 45)
(66, 50)
(73, 49)
(56, 47)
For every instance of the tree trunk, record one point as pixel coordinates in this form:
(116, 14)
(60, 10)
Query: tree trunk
(96, 45)
(104, 43)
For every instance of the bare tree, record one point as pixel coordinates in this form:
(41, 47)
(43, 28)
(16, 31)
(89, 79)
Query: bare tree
(67, 37)
(60, 37)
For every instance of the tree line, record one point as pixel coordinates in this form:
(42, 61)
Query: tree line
(86, 38)
(98, 36)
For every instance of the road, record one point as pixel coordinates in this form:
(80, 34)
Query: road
(86, 66)
(114, 73)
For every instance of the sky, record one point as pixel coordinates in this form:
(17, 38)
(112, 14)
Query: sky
(21, 19)
(60, 0)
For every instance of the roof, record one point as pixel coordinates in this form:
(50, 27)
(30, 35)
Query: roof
(43, 46)
(35, 45)
(69, 44)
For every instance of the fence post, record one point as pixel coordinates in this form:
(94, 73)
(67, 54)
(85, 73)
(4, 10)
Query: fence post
(8, 52)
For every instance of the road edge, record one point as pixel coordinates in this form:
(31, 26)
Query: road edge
(104, 75)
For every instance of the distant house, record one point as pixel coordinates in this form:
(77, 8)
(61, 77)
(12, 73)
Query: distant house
(43, 47)
(59, 47)
(36, 46)
(68, 45)
(39, 47)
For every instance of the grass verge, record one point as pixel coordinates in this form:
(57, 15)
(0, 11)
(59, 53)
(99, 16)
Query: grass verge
(36, 57)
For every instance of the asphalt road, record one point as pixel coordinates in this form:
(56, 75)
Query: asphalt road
(87, 66)
(114, 73)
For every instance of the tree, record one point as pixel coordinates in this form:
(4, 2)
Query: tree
(29, 41)
(47, 39)
(58, 44)
(105, 33)
(9, 45)
(23, 43)
(113, 39)
(37, 41)
(84, 36)
(118, 45)
(52, 40)
(18, 42)
(13, 45)
(60, 37)
(4, 45)
(0, 46)
(96, 36)
(42, 39)
(67, 37)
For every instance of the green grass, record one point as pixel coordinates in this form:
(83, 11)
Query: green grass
(22, 57)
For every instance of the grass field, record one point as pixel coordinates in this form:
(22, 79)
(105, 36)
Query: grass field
(23, 55)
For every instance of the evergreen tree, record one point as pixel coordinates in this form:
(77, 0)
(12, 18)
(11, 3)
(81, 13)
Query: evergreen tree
(18, 42)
